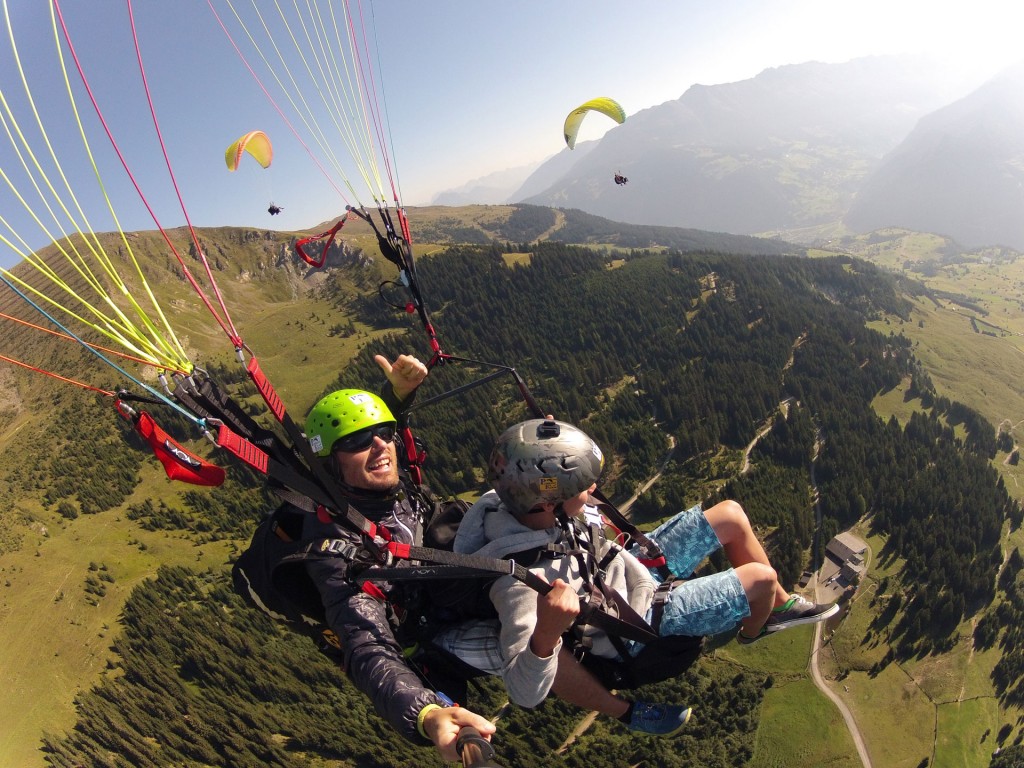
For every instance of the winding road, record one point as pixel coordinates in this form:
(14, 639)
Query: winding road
(819, 628)
(819, 681)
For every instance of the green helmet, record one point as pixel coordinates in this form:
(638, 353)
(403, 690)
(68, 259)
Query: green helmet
(543, 460)
(342, 413)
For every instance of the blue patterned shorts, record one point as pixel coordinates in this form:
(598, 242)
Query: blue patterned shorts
(705, 606)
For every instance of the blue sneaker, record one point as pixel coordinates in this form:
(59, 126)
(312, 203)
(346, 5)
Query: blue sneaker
(657, 719)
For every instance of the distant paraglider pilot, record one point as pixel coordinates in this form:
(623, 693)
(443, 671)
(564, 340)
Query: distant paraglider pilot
(273, 210)
(620, 179)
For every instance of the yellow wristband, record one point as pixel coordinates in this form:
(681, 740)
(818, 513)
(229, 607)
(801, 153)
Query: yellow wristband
(422, 715)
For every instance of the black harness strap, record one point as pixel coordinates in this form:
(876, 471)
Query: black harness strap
(603, 608)
(652, 556)
(660, 598)
(262, 462)
(628, 625)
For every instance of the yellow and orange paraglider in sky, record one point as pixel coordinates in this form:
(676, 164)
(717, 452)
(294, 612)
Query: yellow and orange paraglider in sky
(254, 143)
(604, 105)
(257, 145)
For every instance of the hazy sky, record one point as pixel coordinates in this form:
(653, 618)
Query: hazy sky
(469, 87)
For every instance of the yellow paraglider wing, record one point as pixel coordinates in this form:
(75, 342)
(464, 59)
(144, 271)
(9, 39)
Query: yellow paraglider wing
(603, 105)
(256, 143)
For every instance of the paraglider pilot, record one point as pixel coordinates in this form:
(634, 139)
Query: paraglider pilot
(353, 432)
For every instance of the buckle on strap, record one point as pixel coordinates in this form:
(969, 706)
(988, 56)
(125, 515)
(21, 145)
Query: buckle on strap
(338, 547)
(661, 593)
(663, 590)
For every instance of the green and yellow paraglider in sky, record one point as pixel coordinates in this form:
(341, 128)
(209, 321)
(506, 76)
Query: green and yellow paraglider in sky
(574, 120)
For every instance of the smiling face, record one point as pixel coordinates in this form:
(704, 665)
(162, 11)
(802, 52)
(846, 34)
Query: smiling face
(374, 468)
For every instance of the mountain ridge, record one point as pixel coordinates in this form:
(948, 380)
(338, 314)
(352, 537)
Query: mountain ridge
(801, 149)
(960, 172)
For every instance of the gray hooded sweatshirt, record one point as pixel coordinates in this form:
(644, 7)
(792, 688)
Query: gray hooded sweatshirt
(490, 530)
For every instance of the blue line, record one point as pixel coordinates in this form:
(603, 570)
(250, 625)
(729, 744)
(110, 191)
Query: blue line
(104, 358)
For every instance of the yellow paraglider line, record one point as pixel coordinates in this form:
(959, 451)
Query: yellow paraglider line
(356, 99)
(303, 111)
(122, 330)
(329, 51)
(81, 265)
(392, 172)
(359, 143)
(371, 91)
(345, 102)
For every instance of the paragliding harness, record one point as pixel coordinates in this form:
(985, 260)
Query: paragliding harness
(458, 594)
(649, 658)
(445, 589)
(653, 657)
(271, 575)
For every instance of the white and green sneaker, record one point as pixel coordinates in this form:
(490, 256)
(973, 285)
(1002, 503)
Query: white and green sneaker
(798, 610)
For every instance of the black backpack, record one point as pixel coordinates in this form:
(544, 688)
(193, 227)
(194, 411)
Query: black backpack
(270, 575)
(443, 602)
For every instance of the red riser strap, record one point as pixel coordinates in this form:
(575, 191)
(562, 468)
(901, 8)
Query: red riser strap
(242, 448)
(266, 388)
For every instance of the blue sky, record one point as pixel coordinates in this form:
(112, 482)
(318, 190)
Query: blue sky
(470, 87)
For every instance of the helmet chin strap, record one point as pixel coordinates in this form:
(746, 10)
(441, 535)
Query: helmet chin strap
(532, 518)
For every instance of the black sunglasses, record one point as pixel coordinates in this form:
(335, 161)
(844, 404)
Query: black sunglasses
(363, 439)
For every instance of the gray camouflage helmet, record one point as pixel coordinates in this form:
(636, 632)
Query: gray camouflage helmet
(542, 460)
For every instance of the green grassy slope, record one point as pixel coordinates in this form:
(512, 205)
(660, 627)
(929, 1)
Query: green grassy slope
(968, 333)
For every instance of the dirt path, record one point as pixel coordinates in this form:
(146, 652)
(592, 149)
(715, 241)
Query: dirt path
(819, 681)
(559, 223)
(624, 507)
(816, 676)
(765, 429)
(578, 731)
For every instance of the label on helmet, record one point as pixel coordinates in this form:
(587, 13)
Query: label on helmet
(597, 453)
(548, 484)
(316, 443)
(359, 398)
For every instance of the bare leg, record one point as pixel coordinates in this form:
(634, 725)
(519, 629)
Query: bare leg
(759, 583)
(576, 685)
(732, 526)
(747, 556)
